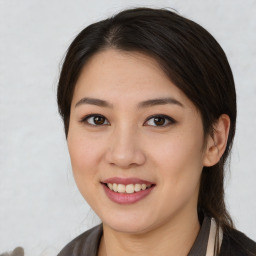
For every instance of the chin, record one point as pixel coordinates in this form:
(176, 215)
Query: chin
(128, 225)
(129, 229)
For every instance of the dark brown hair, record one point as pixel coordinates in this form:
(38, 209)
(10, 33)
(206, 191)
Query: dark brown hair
(190, 57)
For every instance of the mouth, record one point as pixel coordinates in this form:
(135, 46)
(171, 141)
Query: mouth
(127, 191)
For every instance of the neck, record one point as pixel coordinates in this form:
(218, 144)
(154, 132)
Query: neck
(175, 237)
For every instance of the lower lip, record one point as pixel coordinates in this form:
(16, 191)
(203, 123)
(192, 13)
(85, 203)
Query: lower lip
(125, 198)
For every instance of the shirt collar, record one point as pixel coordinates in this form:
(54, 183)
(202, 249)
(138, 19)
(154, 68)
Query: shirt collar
(200, 245)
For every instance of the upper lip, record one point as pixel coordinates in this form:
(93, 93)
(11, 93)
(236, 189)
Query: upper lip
(126, 181)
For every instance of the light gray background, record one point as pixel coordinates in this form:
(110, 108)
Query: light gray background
(40, 207)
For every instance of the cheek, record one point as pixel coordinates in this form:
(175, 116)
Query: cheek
(179, 171)
(179, 161)
(84, 154)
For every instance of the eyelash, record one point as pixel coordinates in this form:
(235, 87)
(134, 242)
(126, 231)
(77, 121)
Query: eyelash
(168, 118)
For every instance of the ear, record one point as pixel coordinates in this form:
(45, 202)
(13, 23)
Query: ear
(216, 142)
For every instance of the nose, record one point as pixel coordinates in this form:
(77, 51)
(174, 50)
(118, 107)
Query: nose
(124, 149)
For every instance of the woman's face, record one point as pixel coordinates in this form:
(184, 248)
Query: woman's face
(131, 126)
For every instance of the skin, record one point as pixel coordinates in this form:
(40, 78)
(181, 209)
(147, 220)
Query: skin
(129, 144)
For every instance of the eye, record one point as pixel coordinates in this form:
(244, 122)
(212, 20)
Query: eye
(95, 120)
(160, 120)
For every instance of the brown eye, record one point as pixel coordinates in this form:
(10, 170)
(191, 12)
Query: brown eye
(160, 120)
(99, 120)
(96, 120)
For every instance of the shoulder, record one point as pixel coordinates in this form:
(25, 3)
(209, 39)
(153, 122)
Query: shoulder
(88, 242)
(236, 243)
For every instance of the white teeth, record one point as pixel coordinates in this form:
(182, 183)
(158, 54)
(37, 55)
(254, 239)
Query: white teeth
(121, 188)
(137, 187)
(115, 187)
(129, 189)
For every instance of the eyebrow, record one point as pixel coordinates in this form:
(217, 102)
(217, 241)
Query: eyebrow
(143, 104)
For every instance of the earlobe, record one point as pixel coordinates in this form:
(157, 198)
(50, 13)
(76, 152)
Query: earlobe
(216, 142)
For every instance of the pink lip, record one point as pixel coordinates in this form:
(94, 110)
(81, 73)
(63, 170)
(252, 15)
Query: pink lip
(126, 181)
(124, 198)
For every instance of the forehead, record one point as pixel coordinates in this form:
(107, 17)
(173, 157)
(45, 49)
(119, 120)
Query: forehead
(122, 67)
(115, 75)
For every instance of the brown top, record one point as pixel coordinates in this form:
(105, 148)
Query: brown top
(234, 243)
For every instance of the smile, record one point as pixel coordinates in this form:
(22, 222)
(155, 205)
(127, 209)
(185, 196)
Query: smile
(127, 190)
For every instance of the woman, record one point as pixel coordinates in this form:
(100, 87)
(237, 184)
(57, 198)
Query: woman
(149, 108)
